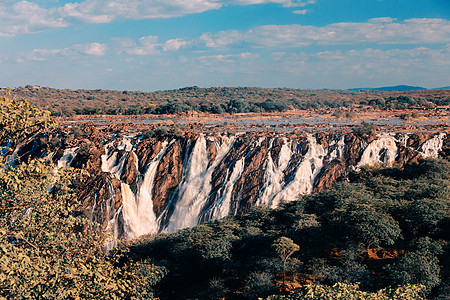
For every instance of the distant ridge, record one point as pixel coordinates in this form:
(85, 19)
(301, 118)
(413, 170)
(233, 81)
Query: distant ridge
(392, 88)
(443, 88)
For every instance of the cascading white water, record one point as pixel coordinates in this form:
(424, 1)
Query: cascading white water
(403, 139)
(304, 177)
(113, 219)
(274, 174)
(139, 216)
(109, 159)
(67, 158)
(222, 206)
(338, 149)
(381, 151)
(187, 207)
(196, 184)
(432, 147)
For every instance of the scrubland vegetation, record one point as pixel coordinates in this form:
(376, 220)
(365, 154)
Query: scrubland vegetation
(386, 227)
(48, 249)
(220, 100)
(382, 235)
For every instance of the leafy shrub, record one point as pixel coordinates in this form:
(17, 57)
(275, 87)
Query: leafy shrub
(416, 268)
(365, 129)
(259, 284)
(351, 291)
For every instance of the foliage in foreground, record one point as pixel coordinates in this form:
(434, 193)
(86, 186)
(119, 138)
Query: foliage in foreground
(351, 291)
(48, 249)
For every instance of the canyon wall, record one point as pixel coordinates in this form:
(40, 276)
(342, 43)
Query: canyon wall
(143, 185)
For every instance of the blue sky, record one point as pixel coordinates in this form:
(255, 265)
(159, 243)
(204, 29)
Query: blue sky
(152, 45)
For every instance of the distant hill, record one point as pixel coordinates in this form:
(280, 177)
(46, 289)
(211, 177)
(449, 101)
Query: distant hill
(392, 88)
(443, 88)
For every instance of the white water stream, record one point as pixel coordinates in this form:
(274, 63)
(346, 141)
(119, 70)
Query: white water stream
(196, 185)
(187, 206)
(67, 158)
(381, 151)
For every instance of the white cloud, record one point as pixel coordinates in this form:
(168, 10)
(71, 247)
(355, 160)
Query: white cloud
(208, 60)
(175, 44)
(280, 37)
(382, 20)
(96, 49)
(91, 49)
(285, 3)
(222, 38)
(358, 68)
(146, 45)
(25, 17)
(101, 11)
(381, 30)
(300, 12)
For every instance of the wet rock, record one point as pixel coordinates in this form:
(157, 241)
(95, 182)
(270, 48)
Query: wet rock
(354, 147)
(416, 140)
(101, 199)
(168, 176)
(130, 171)
(330, 173)
(211, 150)
(88, 156)
(226, 166)
(276, 148)
(146, 151)
(406, 154)
(248, 186)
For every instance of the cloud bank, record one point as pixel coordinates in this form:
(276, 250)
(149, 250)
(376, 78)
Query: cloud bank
(25, 17)
(380, 30)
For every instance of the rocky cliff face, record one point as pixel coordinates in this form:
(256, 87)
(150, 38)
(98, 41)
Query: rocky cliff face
(142, 185)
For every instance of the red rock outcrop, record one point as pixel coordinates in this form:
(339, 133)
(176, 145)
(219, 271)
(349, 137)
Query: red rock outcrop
(247, 187)
(330, 173)
(146, 151)
(168, 177)
(353, 149)
(130, 171)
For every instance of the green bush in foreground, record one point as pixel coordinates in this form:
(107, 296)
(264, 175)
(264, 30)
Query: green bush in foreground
(351, 291)
(48, 249)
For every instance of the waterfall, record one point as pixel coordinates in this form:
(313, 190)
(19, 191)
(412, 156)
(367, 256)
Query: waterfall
(305, 174)
(283, 177)
(432, 147)
(113, 218)
(338, 149)
(196, 184)
(67, 158)
(139, 217)
(274, 174)
(222, 206)
(381, 151)
(403, 139)
(110, 162)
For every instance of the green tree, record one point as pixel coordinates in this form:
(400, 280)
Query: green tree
(416, 267)
(285, 247)
(48, 250)
(18, 119)
(363, 225)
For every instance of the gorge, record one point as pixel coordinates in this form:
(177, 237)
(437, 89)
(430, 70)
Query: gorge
(143, 184)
